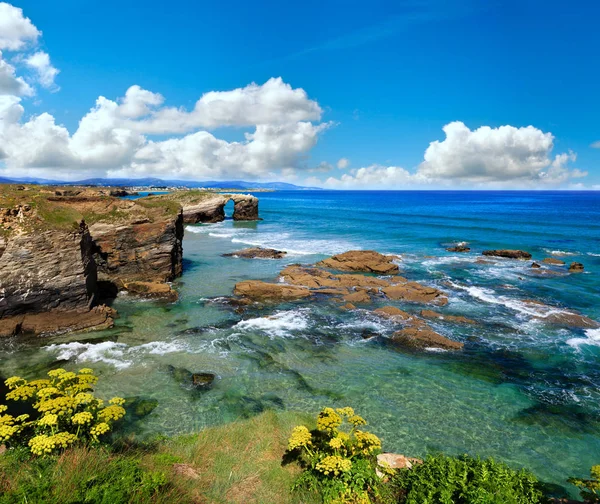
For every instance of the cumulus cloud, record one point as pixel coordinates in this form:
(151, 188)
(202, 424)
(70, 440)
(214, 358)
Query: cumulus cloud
(46, 73)
(595, 145)
(343, 163)
(486, 157)
(494, 155)
(10, 84)
(111, 138)
(16, 31)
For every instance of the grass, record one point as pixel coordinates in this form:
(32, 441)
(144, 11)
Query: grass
(235, 463)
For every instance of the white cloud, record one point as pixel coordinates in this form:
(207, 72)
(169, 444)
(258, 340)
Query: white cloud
(375, 177)
(274, 102)
(322, 167)
(110, 139)
(343, 163)
(46, 73)
(494, 155)
(16, 31)
(595, 145)
(10, 84)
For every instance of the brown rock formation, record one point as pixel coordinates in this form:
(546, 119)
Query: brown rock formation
(210, 207)
(263, 291)
(392, 313)
(509, 254)
(459, 248)
(576, 267)
(257, 253)
(367, 261)
(535, 265)
(245, 207)
(416, 293)
(421, 336)
(553, 261)
(429, 314)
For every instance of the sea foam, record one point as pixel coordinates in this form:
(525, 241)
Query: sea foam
(281, 324)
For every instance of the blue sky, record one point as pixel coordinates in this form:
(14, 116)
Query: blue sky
(387, 76)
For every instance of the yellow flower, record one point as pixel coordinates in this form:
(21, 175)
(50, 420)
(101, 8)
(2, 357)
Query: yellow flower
(48, 420)
(47, 392)
(8, 431)
(112, 412)
(328, 420)
(119, 401)
(334, 465)
(347, 411)
(86, 371)
(14, 382)
(336, 443)
(99, 429)
(3, 408)
(55, 373)
(21, 393)
(367, 442)
(300, 437)
(356, 420)
(82, 418)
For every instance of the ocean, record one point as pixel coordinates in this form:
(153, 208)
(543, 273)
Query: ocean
(523, 390)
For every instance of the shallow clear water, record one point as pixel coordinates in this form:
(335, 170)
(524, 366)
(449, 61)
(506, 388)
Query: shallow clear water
(522, 390)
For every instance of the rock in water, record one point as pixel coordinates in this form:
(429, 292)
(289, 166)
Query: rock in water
(367, 261)
(509, 254)
(535, 265)
(421, 336)
(576, 267)
(554, 261)
(263, 291)
(257, 253)
(459, 248)
(459, 319)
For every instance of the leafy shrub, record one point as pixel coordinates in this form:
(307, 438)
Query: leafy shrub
(589, 489)
(442, 479)
(339, 459)
(66, 412)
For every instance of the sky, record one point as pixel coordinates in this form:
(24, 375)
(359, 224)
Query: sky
(405, 94)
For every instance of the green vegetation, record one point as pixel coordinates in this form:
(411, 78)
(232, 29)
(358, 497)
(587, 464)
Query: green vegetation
(465, 480)
(64, 409)
(590, 488)
(338, 457)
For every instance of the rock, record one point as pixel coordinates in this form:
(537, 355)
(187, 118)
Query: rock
(535, 265)
(509, 254)
(120, 193)
(358, 297)
(569, 319)
(151, 290)
(57, 321)
(186, 471)
(349, 306)
(309, 277)
(429, 314)
(367, 261)
(396, 461)
(257, 253)
(421, 336)
(203, 380)
(263, 291)
(245, 207)
(459, 248)
(576, 267)
(553, 261)
(392, 312)
(416, 293)
(368, 334)
(139, 407)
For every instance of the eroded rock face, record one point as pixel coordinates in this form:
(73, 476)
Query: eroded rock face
(392, 313)
(43, 271)
(209, 208)
(366, 261)
(459, 248)
(245, 207)
(415, 292)
(139, 251)
(509, 254)
(257, 253)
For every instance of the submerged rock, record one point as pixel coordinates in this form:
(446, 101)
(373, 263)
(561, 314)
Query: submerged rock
(392, 312)
(152, 290)
(553, 261)
(192, 381)
(450, 318)
(459, 248)
(367, 261)
(576, 267)
(416, 293)
(257, 253)
(360, 296)
(535, 265)
(510, 254)
(422, 336)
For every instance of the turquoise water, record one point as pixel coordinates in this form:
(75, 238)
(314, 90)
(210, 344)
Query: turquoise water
(523, 391)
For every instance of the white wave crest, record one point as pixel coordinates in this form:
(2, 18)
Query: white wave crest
(593, 338)
(561, 252)
(281, 324)
(108, 352)
(593, 254)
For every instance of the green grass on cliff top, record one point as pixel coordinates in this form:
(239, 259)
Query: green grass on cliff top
(235, 463)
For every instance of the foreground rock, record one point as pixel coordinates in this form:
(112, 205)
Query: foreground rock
(158, 290)
(415, 292)
(576, 267)
(509, 254)
(257, 253)
(57, 322)
(421, 336)
(275, 292)
(393, 313)
(367, 261)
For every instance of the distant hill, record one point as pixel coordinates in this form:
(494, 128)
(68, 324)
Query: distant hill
(156, 182)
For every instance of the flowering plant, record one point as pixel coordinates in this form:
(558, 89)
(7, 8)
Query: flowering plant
(339, 458)
(67, 412)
